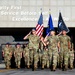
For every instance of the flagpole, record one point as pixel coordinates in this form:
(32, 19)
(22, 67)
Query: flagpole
(48, 33)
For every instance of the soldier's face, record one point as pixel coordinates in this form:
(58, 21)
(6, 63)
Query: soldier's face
(18, 46)
(63, 32)
(7, 45)
(52, 32)
(34, 32)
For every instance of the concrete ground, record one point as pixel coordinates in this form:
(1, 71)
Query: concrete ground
(25, 71)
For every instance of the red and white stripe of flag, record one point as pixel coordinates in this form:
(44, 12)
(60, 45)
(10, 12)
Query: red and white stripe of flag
(39, 29)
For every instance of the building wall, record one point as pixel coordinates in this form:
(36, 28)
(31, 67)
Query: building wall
(6, 39)
(25, 13)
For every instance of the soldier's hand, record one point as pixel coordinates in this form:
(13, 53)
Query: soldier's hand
(69, 48)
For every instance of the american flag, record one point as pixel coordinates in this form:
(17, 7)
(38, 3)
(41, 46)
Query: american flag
(39, 26)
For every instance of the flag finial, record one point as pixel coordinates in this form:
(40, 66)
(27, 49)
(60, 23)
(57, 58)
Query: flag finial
(41, 9)
(59, 10)
(49, 11)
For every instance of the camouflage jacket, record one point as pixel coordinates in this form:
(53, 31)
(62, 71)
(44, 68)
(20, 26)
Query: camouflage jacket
(53, 41)
(7, 51)
(33, 41)
(64, 40)
(18, 52)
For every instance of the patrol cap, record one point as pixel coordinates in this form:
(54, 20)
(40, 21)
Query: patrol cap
(64, 30)
(33, 29)
(52, 30)
(18, 44)
(7, 43)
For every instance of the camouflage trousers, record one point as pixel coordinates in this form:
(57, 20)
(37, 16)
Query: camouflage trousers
(7, 61)
(34, 57)
(64, 56)
(53, 55)
(71, 58)
(58, 59)
(40, 56)
(26, 58)
(45, 59)
(31, 56)
(18, 60)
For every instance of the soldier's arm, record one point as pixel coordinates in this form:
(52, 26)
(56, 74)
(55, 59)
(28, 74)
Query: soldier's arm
(27, 35)
(69, 43)
(59, 33)
(58, 45)
(72, 47)
(21, 52)
(10, 53)
(43, 42)
(3, 52)
(14, 53)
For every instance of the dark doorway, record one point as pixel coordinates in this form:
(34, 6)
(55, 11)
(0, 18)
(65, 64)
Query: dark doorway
(19, 33)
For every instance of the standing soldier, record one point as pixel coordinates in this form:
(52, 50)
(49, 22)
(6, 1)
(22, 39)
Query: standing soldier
(18, 55)
(26, 56)
(53, 45)
(64, 49)
(45, 55)
(45, 58)
(33, 47)
(7, 53)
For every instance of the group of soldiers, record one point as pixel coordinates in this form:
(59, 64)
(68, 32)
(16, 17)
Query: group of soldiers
(50, 52)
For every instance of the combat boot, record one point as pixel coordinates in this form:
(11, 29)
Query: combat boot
(61, 66)
(42, 66)
(47, 66)
(71, 66)
(66, 67)
(8, 67)
(18, 66)
(35, 67)
(54, 68)
(28, 66)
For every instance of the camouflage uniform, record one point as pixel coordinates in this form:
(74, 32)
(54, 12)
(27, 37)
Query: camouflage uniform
(7, 56)
(33, 47)
(45, 58)
(53, 50)
(26, 56)
(18, 56)
(71, 56)
(58, 59)
(40, 52)
(64, 50)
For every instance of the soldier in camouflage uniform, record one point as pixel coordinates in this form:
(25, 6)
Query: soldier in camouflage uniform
(26, 56)
(33, 47)
(53, 44)
(18, 55)
(45, 58)
(41, 51)
(7, 53)
(71, 55)
(64, 49)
